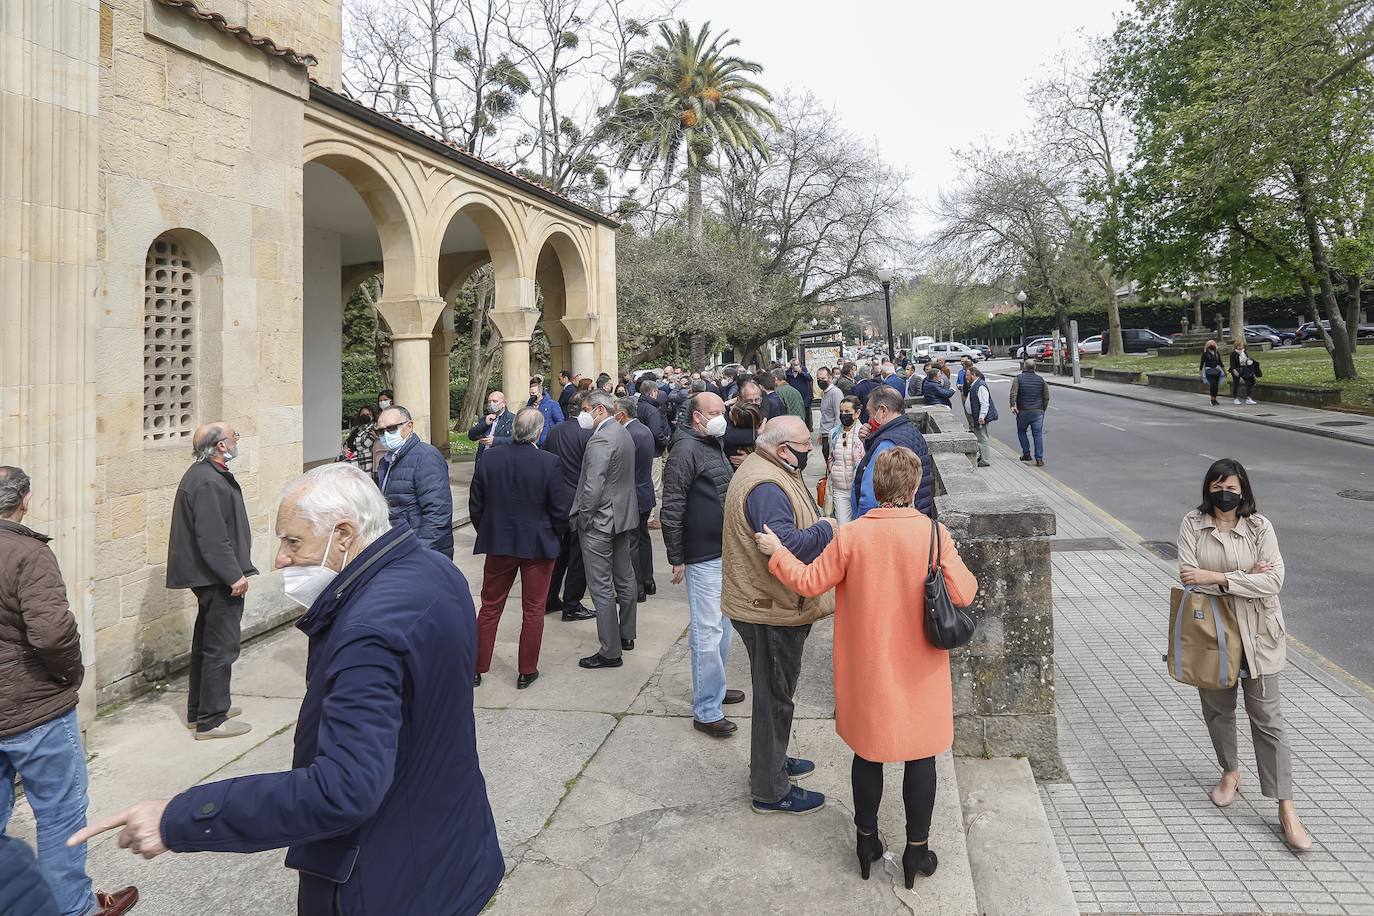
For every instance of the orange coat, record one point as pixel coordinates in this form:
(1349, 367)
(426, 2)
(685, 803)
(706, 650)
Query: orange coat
(893, 699)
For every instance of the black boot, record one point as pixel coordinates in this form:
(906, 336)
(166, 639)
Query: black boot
(870, 850)
(917, 859)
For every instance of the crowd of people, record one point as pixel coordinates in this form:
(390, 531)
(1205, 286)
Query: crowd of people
(565, 493)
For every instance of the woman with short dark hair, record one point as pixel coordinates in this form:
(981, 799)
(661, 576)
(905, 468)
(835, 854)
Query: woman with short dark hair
(1227, 548)
(893, 697)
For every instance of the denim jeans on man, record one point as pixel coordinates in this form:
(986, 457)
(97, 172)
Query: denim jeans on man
(50, 760)
(708, 638)
(1034, 420)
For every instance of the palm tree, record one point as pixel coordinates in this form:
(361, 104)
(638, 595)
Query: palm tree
(686, 94)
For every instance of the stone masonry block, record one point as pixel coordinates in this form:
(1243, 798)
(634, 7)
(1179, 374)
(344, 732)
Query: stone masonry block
(1011, 580)
(105, 603)
(1034, 736)
(128, 515)
(1028, 634)
(121, 555)
(997, 516)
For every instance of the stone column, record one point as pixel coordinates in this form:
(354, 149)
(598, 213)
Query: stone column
(440, 345)
(515, 317)
(49, 213)
(412, 320)
(582, 329)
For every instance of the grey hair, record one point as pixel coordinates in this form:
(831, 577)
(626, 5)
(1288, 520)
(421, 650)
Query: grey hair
(774, 433)
(204, 446)
(888, 368)
(625, 406)
(647, 386)
(405, 414)
(1027, 365)
(331, 493)
(529, 423)
(599, 398)
(14, 486)
(974, 370)
(698, 385)
(865, 371)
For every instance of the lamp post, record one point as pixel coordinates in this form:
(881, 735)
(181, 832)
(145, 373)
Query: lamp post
(885, 275)
(991, 314)
(1021, 298)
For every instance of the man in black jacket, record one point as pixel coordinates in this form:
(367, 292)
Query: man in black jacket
(569, 442)
(652, 411)
(567, 389)
(802, 382)
(693, 514)
(773, 405)
(644, 493)
(209, 551)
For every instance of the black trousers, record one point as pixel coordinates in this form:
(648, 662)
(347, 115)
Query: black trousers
(644, 553)
(918, 794)
(1213, 382)
(215, 645)
(775, 656)
(1241, 381)
(569, 576)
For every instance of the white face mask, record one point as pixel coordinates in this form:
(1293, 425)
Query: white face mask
(585, 420)
(716, 426)
(304, 584)
(384, 403)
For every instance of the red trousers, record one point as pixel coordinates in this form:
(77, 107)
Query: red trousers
(497, 578)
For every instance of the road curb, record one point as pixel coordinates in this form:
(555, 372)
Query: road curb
(1208, 410)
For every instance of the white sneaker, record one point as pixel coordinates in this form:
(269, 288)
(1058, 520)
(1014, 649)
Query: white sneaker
(229, 728)
(1251, 401)
(1237, 401)
(233, 713)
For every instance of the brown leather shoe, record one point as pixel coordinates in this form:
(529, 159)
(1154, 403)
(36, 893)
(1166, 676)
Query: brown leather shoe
(721, 728)
(733, 696)
(654, 524)
(116, 903)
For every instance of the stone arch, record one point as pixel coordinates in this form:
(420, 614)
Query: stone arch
(499, 229)
(563, 276)
(183, 328)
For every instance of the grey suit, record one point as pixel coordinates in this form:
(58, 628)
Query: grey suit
(607, 520)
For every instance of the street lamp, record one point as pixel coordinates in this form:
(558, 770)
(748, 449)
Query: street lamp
(885, 275)
(1021, 298)
(991, 314)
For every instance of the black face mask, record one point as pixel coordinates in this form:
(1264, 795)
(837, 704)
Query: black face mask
(846, 420)
(800, 458)
(1225, 500)
(824, 384)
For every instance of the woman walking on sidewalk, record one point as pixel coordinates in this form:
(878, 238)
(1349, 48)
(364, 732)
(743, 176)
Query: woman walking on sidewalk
(893, 700)
(1210, 367)
(1244, 371)
(1226, 548)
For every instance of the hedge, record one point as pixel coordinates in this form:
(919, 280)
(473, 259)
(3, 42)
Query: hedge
(353, 401)
(1160, 315)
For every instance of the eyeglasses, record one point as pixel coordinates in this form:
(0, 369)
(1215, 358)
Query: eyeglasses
(393, 427)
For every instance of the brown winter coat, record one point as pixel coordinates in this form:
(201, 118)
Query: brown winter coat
(40, 649)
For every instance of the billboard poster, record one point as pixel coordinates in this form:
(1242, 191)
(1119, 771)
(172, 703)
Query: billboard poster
(828, 353)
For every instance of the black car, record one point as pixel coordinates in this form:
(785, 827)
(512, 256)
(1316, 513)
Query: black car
(1138, 340)
(1285, 337)
(1309, 331)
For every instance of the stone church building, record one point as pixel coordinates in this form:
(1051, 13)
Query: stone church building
(186, 201)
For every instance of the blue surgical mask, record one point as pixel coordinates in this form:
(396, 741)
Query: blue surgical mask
(393, 441)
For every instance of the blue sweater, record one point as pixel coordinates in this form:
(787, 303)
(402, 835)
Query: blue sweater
(768, 505)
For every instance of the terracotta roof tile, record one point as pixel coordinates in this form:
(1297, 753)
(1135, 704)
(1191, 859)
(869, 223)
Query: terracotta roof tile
(264, 44)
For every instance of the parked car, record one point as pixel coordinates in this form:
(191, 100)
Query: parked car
(1285, 337)
(1309, 331)
(983, 349)
(1034, 347)
(952, 352)
(1088, 346)
(1138, 340)
(1254, 336)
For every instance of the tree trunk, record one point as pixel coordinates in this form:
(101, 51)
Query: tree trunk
(381, 334)
(1342, 351)
(484, 355)
(1352, 311)
(1238, 314)
(1197, 313)
(1113, 339)
(695, 239)
(650, 354)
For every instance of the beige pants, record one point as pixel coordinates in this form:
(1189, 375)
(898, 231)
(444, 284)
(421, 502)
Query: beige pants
(657, 473)
(1272, 756)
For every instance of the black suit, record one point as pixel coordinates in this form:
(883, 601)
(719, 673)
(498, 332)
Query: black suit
(565, 398)
(568, 441)
(519, 503)
(644, 497)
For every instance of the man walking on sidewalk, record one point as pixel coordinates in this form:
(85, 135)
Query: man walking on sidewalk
(767, 490)
(694, 488)
(209, 551)
(981, 412)
(606, 519)
(40, 655)
(1030, 398)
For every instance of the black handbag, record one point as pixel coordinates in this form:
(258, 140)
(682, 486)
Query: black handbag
(947, 626)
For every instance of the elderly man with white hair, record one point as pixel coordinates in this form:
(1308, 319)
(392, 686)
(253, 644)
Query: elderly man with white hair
(385, 809)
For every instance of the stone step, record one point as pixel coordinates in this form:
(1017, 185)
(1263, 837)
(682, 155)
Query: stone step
(1012, 852)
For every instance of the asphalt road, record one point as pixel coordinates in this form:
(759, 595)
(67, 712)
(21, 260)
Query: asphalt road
(1144, 464)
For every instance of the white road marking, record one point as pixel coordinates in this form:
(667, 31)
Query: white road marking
(1117, 428)
(1208, 457)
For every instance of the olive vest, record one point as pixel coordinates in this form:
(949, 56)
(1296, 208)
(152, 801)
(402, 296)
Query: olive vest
(749, 592)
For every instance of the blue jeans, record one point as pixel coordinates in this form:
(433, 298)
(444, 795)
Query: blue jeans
(709, 639)
(52, 763)
(1034, 420)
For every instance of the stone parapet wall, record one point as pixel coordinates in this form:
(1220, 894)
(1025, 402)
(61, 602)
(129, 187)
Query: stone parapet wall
(1004, 678)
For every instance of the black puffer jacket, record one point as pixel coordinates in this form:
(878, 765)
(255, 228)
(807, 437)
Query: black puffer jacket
(40, 650)
(693, 511)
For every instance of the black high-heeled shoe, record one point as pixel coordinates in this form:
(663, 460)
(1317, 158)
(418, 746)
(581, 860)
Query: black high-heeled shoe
(918, 859)
(870, 850)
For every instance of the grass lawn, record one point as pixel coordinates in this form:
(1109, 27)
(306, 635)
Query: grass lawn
(460, 444)
(1290, 366)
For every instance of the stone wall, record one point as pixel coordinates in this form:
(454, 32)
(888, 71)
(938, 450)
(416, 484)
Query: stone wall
(1004, 677)
(211, 154)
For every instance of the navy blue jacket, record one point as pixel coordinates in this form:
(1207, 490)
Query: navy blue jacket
(861, 391)
(414, 480)
(802, 381)
(519, 503)
(501, 431)
(565, 398)
(552, 412)
(23, 889)
(385, 809)
(893, 433)
(767, 504)
(773, 405)
(977, 393)
(568, 441)
(935, 393)
(644, 465)
(650, 413)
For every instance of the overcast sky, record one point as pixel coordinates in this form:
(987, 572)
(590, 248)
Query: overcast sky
(918, 77)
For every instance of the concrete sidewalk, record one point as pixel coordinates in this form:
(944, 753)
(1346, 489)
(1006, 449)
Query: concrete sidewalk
(1135, 828)
(1330, 424)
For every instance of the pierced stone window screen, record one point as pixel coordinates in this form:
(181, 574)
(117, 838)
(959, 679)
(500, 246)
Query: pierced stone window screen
(169, 334)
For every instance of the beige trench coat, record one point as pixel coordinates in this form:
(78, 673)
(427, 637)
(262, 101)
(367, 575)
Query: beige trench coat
(1254, 595)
